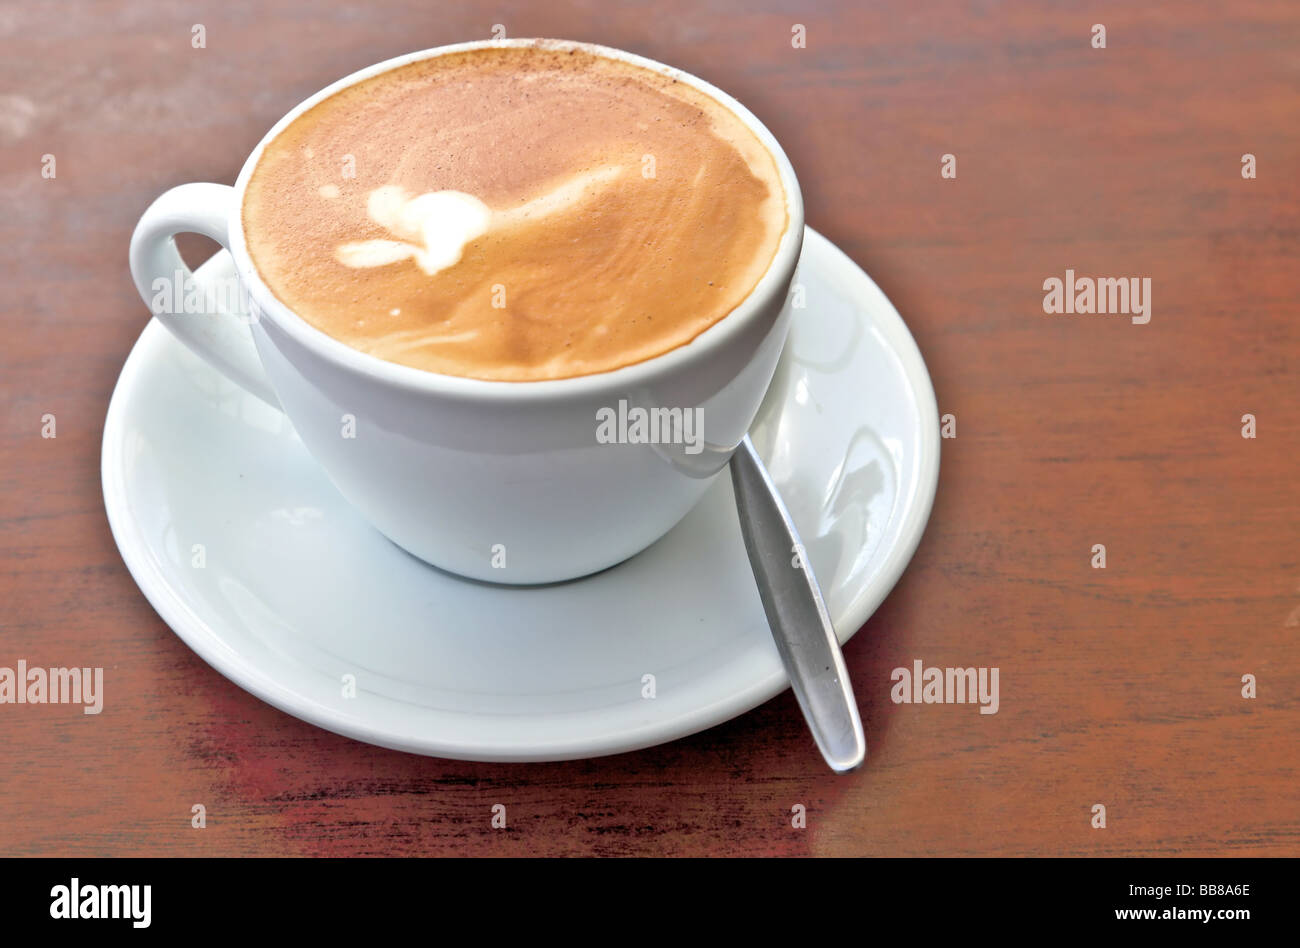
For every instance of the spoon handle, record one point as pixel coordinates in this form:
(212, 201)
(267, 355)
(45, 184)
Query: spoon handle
(796, 613)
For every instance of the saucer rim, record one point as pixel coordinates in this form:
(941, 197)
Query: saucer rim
(206, 642)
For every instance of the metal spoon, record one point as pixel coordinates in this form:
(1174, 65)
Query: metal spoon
(795, 611)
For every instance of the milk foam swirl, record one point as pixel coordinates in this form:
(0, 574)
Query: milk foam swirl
(434, 228)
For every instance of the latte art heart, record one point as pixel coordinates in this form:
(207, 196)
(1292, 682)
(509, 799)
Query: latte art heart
(434, 228)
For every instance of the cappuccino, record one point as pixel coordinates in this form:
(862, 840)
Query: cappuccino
(518, 213)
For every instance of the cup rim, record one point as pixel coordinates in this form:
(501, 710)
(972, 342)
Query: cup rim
(635, 375)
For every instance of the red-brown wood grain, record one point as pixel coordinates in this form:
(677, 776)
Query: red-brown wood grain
(1118, 686)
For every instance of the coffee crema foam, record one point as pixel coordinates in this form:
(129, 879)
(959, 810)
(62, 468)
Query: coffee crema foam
(515, 214)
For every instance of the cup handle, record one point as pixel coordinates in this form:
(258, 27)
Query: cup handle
(215, 331)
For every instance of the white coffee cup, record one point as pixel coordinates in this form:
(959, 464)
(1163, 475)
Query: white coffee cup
(500, 481)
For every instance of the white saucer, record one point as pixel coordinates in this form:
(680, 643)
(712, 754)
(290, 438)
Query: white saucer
(297, 591)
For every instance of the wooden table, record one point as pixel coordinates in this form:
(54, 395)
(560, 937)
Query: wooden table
(1119, 686)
